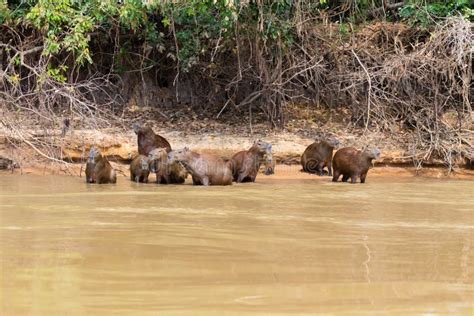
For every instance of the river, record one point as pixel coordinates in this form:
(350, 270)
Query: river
(392, 246)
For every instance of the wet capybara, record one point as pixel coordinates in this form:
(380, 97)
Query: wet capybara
(148, 140)
(98, 169)
(269, 164)
(245, 164)
(205, 169)
(166, 172)
(139, 169)
(319, 155)
(353, 163)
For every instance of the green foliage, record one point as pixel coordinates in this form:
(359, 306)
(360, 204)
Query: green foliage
(198, 25)
(57, 73)
(427, 13)
(64, 27)
(185, 31)
(5, 14)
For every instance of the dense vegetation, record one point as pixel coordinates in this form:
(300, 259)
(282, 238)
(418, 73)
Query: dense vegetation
(408, 62)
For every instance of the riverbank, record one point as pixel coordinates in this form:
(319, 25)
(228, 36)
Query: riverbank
(282, 172)
(222, 137)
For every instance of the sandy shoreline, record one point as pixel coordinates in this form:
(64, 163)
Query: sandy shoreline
(282, 172)
(120, 147)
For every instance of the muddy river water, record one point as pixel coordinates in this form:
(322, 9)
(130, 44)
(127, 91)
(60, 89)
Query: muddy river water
(290, 247)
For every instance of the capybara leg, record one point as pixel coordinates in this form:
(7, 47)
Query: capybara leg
(345, 178)
(241, 177)
(353, 178)
(164, 179)
(196, 181)
(330, 169)
(335, 176)
(362, 177)
(321, 168)
(137, 179)
(205, 181)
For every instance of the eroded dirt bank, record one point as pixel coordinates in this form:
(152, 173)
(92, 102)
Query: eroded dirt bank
(120, 147)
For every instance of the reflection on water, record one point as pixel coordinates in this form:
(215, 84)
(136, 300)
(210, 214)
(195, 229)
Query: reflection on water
(273, 247)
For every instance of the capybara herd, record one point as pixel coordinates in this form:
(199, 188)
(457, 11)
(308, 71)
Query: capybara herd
(155, 155)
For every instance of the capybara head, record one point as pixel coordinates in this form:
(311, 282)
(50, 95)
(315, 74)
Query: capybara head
(91, 155)
(144, 163)
(333, 141)
(155, 156)
(372, 153)
(264, 147)
(94, 155)
(178, 154)
(136, 127)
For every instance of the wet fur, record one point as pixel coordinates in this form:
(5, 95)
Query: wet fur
(352, 163)
(245, 164)
(99, 170)
(166, 172)
(205, 169)
(317, 156)
(137, 172)
(148, 140)
(269, 164)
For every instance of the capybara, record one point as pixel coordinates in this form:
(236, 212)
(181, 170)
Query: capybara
(139, 169)
(148, 140)
(166, 172)
(98, 169)
(353, 163)
(245, 164)
(205, 169)
(269, 164)
(319, 155)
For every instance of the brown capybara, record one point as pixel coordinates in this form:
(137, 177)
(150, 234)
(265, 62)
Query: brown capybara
(205, 169)
(269, 164)
(319, 155)
(148, 140)
(139, 169)
(353, 163)
(166, 172)
(98, 169)
(245, 164)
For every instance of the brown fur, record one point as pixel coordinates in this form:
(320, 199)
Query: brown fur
(205, 169)
(98, 169)
(139, 169)
(269, 164)
(166, 173)
(245, 164)
(353, 163)
(148, 140)
(317, 156)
